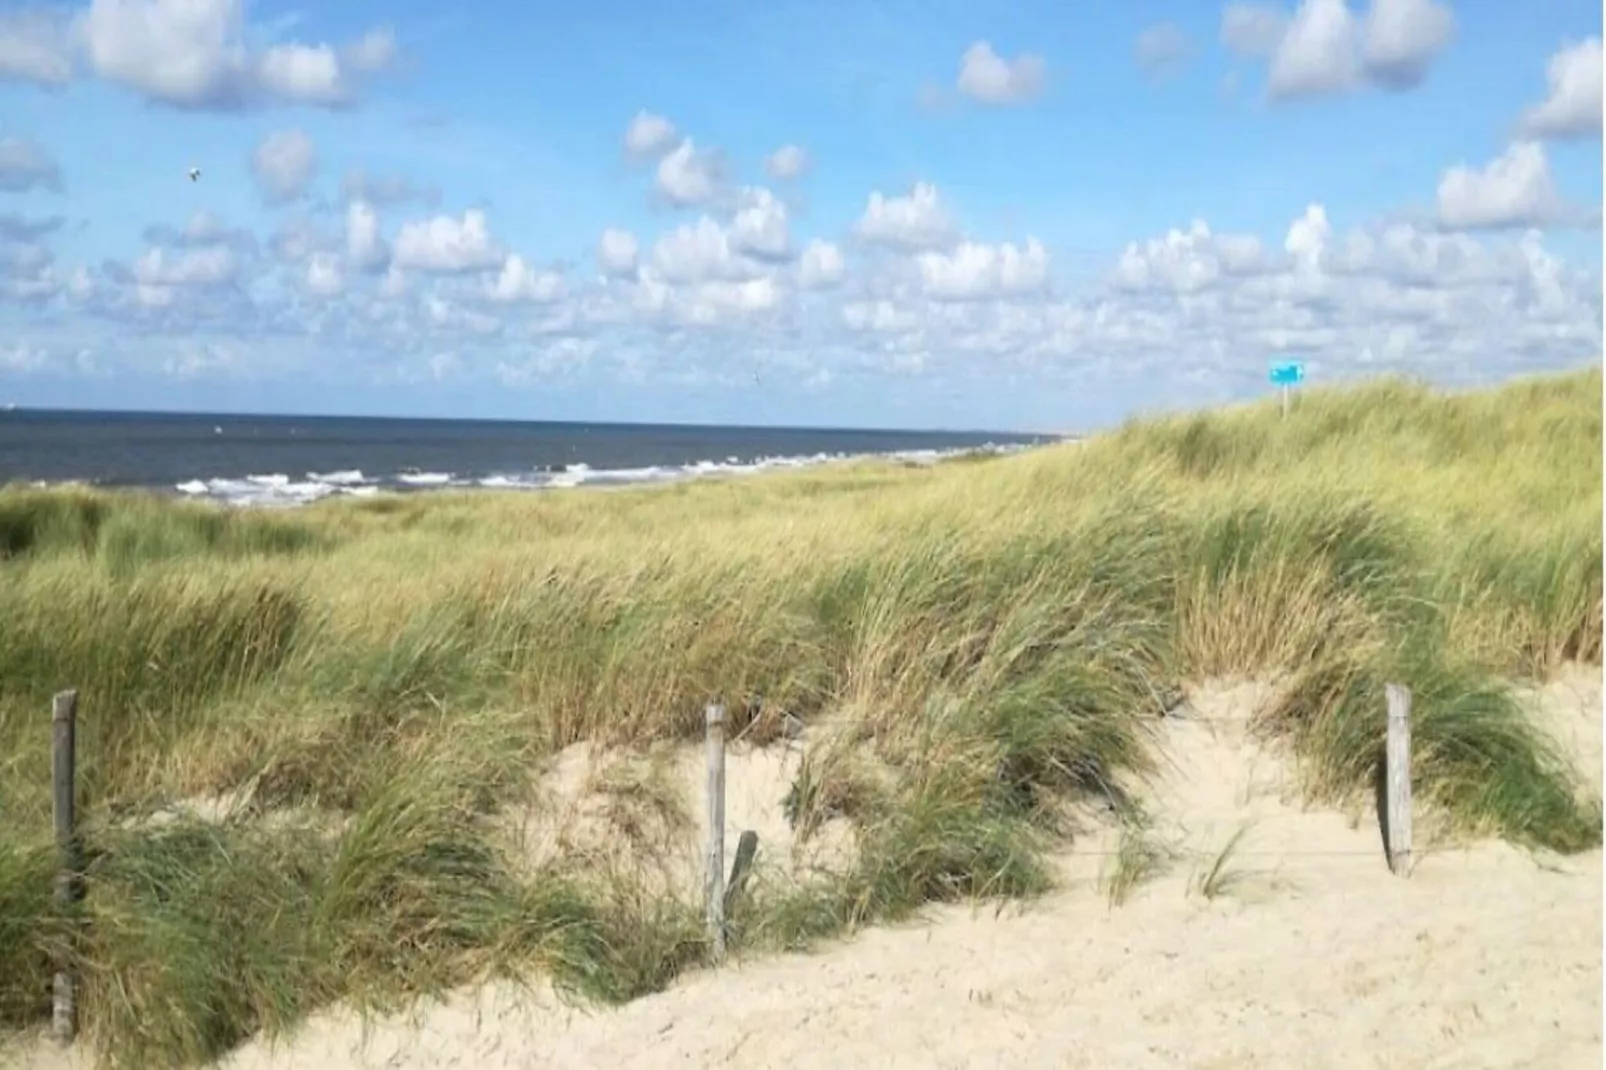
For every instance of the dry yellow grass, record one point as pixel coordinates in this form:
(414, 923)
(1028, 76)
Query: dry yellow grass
(996, 634)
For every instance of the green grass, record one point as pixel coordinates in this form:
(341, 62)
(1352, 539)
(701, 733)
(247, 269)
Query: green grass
(384, 676)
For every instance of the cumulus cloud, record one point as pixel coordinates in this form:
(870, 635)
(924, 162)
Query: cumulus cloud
(974, 271)
(1399, 38)
(204, 55)
(25, 165)
(203, 228)
(912, 223)
(283, 165)
(1572, 106)
(688, 176)
(1162, 49)
(448, 245)
(617, 251)
(987, 77)
(786, 163)
(1186, 261)
(914, 296)
(1252, 29)
(36, 48)
(1325, 48)
(760, 228)
(365, 245)
(1513, 190)
(373, 52)
(324, 277)
(701, 251)
(519, 281)
(821, 266)
(649, 135)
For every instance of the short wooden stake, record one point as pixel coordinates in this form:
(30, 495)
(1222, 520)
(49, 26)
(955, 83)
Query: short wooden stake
(715, 891)
(741, 869)
(1399, 779)
(63, 723)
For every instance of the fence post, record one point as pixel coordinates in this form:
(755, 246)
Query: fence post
(1399, 778)
(715, 890)
(63, 723)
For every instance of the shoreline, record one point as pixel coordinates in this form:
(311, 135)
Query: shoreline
(280, 490)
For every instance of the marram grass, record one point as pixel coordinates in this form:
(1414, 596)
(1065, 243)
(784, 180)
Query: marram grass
(384, 675)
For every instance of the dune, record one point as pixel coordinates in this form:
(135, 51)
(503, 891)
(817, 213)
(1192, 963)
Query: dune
(1057, 759)
(1306, 951)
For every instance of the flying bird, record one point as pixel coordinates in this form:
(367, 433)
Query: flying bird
(195, 173)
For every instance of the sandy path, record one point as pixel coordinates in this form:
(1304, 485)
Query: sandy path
(1319, 958)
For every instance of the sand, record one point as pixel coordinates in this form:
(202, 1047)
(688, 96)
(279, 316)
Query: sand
(1309, 953)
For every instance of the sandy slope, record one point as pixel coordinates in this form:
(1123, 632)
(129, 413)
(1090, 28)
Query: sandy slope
(1315, 957)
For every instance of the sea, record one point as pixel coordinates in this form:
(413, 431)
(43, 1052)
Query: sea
(294, 460)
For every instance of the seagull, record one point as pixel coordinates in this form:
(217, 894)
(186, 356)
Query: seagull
(195, 173)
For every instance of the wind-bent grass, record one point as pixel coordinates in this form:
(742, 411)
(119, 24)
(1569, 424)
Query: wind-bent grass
(377, 680)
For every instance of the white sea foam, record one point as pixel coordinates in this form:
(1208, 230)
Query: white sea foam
(278, 489)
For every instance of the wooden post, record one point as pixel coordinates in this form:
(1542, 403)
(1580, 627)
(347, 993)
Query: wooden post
(1399, 779)
(63, 723)
(715, 892)
(741, 868)
(1285, 403)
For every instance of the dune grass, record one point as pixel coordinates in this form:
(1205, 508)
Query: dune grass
(380, 678)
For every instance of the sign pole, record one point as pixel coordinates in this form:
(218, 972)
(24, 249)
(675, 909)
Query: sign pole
(1286, 376)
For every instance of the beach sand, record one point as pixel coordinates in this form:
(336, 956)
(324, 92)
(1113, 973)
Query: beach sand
(1309, 954)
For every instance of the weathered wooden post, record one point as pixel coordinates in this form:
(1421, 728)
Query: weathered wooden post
(63, 723)
(715, 874)
(1398, 754)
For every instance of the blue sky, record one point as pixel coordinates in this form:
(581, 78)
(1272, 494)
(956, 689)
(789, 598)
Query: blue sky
(1025, 216)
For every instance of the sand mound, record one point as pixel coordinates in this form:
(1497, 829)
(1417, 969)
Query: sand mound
(646, 812)
(1308, 952)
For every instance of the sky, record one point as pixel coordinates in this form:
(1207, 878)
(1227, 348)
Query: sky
(1011, 216)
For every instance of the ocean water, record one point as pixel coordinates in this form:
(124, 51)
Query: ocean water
(290, 460)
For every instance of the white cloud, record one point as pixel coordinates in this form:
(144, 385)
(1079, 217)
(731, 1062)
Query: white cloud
(284, 164)
(1253, 29)
(1187, 261)
(975, 271)
(1399, 38)
(786, 163)
(1324, 48)
(986, 76)
(446, 245)
(912, 223)
(324, 278)
(202, 54)
(1513, 190)
(687, 176)
(1162, 49)
(701, 251)
(24, 164)
(760, 227)
(373, 52)
(1572, 107)
(1191, 306)
(209, 266)
(35, 47)
(821, 265)
(1317, 53)
(649, 135)
(365, 247)
(617, 251)
(518, 281)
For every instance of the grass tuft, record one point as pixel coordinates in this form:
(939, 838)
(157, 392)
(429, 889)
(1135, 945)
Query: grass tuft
(349, 698)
